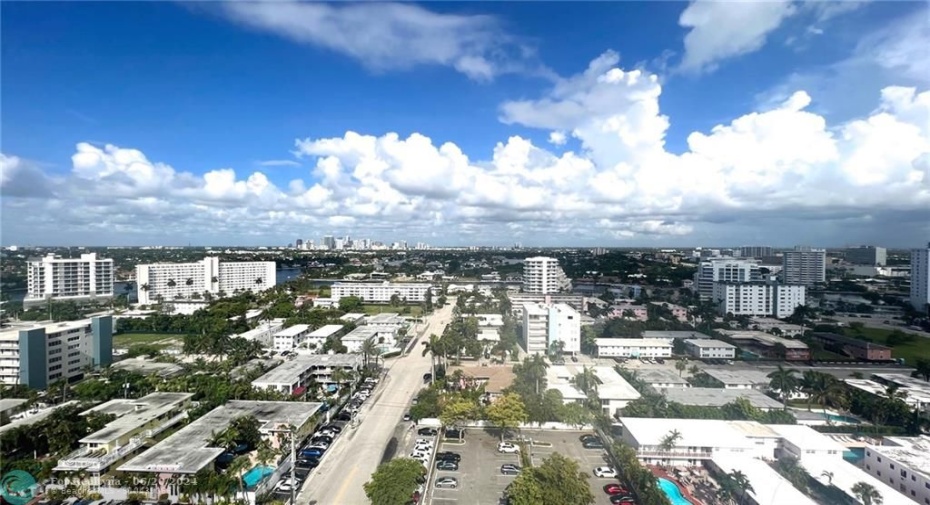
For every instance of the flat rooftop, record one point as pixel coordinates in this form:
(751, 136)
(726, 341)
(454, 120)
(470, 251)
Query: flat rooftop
(763, 338)
(145, 366)
(844, 476)
(694, 432)
(366, 332)
(612, 387)
(188, 450)
(736, 377)
(674, 334)
(385, 318)
(35, 416)
(289, 372)
(11, 403)
(806, 437)
(904, 380)
(352, 317)
(132, 414)
(660, 376)
(535, 309)
(768, 486)
(633, 342)
(911, 451)
(718, 397)
(326, 331)
(709, 343)
(293, 331)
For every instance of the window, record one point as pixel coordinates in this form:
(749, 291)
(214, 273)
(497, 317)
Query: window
(892, 466)
(879, 459)
(903, 473)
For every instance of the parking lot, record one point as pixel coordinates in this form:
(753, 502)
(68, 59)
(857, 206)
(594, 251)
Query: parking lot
(480, 481)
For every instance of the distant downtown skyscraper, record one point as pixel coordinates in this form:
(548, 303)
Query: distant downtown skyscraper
(920, 279)
(867, 255)
(755, 251)
(804, 265)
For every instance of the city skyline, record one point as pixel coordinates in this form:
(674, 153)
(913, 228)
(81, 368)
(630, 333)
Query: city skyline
(454, 124)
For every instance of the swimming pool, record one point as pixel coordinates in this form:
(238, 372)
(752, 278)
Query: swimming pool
(836, 418)
(854, 455)
(674, 494)
(255, 475)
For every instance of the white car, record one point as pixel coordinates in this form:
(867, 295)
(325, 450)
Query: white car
(605, 472)
(507, 447)
(419, 454)
(288, 484)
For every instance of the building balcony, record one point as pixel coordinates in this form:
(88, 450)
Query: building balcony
(87, 459)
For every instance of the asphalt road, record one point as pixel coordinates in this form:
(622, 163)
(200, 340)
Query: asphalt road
(358, 451)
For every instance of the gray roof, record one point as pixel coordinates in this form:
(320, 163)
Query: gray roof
(709, 343)
(34, 418)
(146, 366)
(659, 376)
(188, 450)
(718, 397)
(11, 403)
(289, 372)
(731, 376)
(132, 414)
(674, 334)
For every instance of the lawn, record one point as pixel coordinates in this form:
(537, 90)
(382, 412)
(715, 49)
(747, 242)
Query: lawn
(919, 348)
(415, 310)
(130, 339)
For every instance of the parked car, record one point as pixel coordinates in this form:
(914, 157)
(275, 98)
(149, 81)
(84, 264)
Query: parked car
(507, 447)
(407, 416)
(415, 454)
(335, 428)
(447, 466)
(619, 499)
(614, 488)
(449, 456)
(455, 433)
(447, 483)
(592, 444)
(428, 432)
(309, 463)
(605, 472)
(509, 469)
(326, 439)
(311, 453)
(344, 416)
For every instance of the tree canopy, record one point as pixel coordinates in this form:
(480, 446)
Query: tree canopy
(507, 412)
(394, 482)
(557, 481)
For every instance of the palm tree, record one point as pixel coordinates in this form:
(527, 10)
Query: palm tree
(369, 348)
(172, 283)
(742, 484)
(259, 281)
(189, 282)
(214, 279)
(681, 365)
(144, 287)
(827, 475)
(670, 441)
(867, 494)
(785, 382)
(694, 370)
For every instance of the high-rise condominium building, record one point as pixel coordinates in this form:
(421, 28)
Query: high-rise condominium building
(804, 265)
(755, 251)
(74, 279)
(724, 270)
(758, 298)
(867, 255)
(209, 277)
(565, 327)
(920, 279)
(542, 275)
(41, 354)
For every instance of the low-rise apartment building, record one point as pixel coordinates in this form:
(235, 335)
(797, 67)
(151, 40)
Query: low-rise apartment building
(319, 336)
(293, 376)
(291, 337)
(564, 327)
(662, 378)
(678, 312)
(613, 390)
(770, 346)
(137, 420)
(628, 311)
(381, 292)
(904, 463)
(37, 355)
(633, 348)
(264, 333)
(384, 336)
(854, 347)
(710, 348)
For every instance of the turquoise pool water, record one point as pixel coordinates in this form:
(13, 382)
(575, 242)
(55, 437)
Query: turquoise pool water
(841, 419)
(854, 455)
(255, 475)
(674, 494)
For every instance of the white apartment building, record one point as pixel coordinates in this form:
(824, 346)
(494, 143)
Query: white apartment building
(263, 333)
(724, 270)
(904, 463)
(633, 347)
(68, 279)
(385, 337)
(543, 275)
(867, 255)
(39, 355)
(208, 277)
(920, 278)
(293, 377)
(613, 390)
(710, 348)
(564, 326)
(319, 336)
(291, 337)
(535, 328)
(804, 265)
(137, 420)
(380, 292)
(758, 298)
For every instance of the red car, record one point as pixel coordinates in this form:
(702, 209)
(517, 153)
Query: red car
(615, 488)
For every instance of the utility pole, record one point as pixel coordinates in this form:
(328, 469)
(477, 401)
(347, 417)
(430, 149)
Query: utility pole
(293, 462)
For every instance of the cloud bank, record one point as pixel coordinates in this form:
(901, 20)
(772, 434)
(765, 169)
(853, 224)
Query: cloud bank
(619, 185)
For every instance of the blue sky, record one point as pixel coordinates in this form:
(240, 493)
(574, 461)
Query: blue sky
(696, 123)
